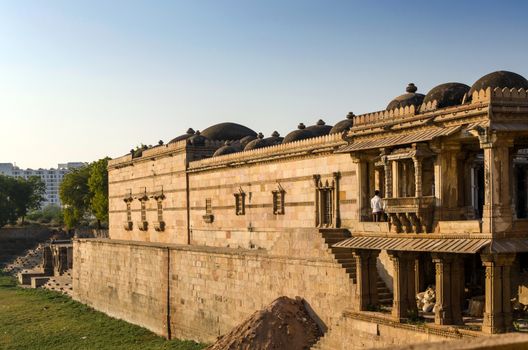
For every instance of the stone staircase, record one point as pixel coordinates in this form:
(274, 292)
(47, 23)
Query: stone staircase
(28, 260)
(61, 284)
(12, 252)
(347, 261)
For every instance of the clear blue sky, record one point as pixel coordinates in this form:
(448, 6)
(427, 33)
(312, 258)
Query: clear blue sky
(80, 80)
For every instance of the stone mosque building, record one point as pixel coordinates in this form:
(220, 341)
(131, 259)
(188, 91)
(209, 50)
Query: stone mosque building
(213, 225)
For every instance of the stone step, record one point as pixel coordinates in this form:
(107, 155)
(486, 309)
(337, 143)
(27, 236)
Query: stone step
(332, 241)
(342, 255)
(346, 260)
(334, 235)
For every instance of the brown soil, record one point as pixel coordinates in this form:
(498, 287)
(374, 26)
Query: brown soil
(284, 324)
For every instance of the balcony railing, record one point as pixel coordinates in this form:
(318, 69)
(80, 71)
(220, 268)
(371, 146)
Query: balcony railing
(408, 204)
(410, 214)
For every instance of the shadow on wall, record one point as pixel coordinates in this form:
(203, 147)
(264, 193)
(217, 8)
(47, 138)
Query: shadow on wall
(384, 265)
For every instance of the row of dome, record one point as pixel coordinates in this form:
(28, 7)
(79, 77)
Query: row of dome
(241, 138)
(452, 94)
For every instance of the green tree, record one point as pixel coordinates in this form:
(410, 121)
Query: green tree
(8, 208)
(75, 195)
(98, 185)
(28, 195)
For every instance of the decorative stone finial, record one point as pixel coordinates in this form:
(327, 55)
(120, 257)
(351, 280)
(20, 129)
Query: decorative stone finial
(190, 131)
(350, 115)
(197, 132)
(301, 126)
(275, 134)
(160, 142)
(320, 122)
(260, 135)
(411, 88)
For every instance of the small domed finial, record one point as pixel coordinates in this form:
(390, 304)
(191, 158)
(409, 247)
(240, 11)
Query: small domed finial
(190, 131)
(320, 122)
(411, 88)
(160, 142)
(350, 115)
(301, 126)
(275, 134)
(197, 132)
(260, 135)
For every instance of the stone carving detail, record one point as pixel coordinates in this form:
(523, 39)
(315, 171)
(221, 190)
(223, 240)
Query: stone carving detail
(240, 202)
(128, 225)
(278, 200)
(208, 217)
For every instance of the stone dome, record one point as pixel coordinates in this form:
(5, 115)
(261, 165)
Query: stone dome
(343, 125)
(227, 148)
(300, 134)
(446, 95)
(245, 140)
(190, 132)
(500, 79)
(411, 98)
(197, 139)
(320, 128)
(227, 131)
(275, 138)
(260, 142)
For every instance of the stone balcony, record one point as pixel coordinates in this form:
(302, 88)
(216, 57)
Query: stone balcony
(410, 214)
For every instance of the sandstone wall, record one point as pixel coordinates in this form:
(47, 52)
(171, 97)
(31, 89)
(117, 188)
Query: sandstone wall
(352, 334)
(259, 227)
(209, 290)
(165, 173)
(123, 281)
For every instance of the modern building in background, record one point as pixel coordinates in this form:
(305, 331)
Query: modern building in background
(51, 178)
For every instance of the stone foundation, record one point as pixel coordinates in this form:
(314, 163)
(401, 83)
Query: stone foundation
(199, 293)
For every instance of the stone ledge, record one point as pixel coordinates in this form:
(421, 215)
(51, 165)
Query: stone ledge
(260, 253)
(443, 331)
(498, 342)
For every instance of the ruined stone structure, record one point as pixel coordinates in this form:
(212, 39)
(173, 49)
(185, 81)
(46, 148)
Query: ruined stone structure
(211, 226)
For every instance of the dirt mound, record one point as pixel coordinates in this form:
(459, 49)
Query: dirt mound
(284, 324)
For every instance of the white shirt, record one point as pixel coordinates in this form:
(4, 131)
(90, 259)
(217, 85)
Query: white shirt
(376, 203)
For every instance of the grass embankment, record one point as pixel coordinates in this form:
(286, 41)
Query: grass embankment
(40, 319)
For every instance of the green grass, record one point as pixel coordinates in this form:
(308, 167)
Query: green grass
(41, 319)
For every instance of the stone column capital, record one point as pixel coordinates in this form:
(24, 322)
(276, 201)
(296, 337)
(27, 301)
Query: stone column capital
(365, 253)
(494, 259)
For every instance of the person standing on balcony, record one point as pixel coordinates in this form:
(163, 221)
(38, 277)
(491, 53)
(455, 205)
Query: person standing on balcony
(376, 203)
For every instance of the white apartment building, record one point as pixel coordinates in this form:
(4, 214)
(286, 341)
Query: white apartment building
(51, 178)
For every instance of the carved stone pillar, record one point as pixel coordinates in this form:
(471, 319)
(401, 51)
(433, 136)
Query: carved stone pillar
(387, 166)
(317, 220)
(497, 312)
(396, 178)
(337, 212)
(417, 176)
(446, 182)
(497, 213)
(366, 278)
(404, 303)
(448, 289)
(418, 276)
